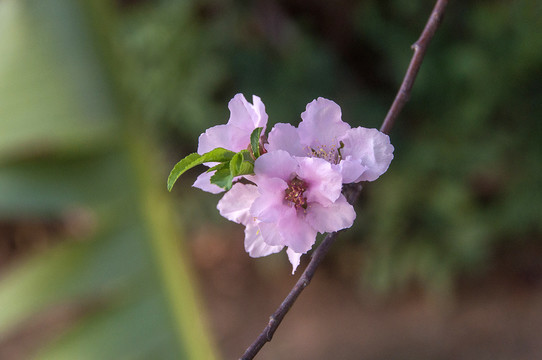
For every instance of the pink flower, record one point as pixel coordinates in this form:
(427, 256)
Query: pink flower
(235, 206)
(234, 136)
(359, 154)
(295, 198)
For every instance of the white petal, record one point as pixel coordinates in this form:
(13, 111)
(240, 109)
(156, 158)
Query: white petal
(371, 148)
(259, 110)
(294, 258)
(337, 216)
(350, 169)
(271, 234)
(254, 244)
(236, 203)
(203, 182)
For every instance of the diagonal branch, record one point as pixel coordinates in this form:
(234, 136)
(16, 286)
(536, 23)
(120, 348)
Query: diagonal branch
(419, 47)
(352, 191)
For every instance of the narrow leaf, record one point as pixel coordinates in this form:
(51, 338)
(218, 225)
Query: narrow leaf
(194, 159)
(255, 142)
(224, 165)
(223, 178)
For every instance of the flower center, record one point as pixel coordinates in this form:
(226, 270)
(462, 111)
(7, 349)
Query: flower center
(330, 153)
(294, 193)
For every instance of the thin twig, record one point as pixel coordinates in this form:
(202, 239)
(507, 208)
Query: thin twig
(352, 191)
(419, 48)
(278, 315)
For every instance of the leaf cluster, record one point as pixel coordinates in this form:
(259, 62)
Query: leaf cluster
(230, 164)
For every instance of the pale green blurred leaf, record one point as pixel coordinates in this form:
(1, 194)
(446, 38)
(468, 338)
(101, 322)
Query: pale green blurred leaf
(65, 151)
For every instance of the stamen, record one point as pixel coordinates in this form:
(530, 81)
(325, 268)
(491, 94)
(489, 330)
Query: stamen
(294, 193)
(330, 153)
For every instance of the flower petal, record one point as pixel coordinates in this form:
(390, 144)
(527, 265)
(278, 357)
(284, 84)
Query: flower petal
(259, 109)
(271, 234)
(203, 182)
(276, 164)
(285, 137)
(254, 244)
(235, 135)
(270, 205)
(296, 233)
(216, 136)
(324, 183)
(245, 116)
(294, 258)
(322, 124)
(371, 148)
(350, 169)
(339, 215)
(236, 203)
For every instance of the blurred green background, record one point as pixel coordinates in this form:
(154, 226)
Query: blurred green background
(99, 99)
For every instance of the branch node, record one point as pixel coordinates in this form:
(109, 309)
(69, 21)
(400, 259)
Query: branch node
(269, 335)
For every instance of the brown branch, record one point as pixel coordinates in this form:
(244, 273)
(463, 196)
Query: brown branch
(352, 191)
(419, 48)
(278, 315)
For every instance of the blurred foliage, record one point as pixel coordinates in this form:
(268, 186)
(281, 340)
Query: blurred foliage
(466, 175)
(115, 284)
(467, 171)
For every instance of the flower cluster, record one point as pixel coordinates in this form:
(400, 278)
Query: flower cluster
(293, 179)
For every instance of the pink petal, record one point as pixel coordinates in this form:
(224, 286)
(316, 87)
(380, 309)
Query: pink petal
(339, 215)
(296, 233)
(254, 244)
(371, 148)
(285, 137)
(245, 116)
(203, 182)
(239, 138)
(277, 164)
(235, 135)
(270, 205)
(216, 136)
(236, 203)
(294, 258)
(271, 234)
(259, 109)
(350, 169)
(322, 124)
(324, 183)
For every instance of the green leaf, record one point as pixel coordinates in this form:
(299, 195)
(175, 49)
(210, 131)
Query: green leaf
(239, 165)
(255, 142)
(194, 159)
(223, 178)
(224, 165)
